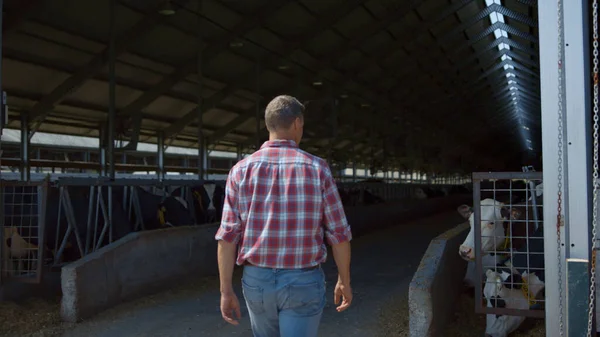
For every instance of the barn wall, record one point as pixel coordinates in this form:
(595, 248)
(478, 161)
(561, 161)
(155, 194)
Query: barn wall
(436, 285)
(145, 262)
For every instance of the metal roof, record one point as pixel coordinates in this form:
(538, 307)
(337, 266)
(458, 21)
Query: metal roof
(435, 85)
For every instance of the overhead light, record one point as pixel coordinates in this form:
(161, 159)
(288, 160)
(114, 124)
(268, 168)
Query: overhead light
(283, 67)
(528, 140)
(344, 96)
(364, 105)
(317, 83)
(166, 9)
(526, 128)
(236, 44)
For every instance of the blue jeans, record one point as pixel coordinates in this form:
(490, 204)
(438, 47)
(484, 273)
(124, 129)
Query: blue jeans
(284, 302)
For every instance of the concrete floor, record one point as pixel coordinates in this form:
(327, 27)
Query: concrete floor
(382, 266)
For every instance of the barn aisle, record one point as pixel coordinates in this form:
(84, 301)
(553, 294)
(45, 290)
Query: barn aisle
(382, 267)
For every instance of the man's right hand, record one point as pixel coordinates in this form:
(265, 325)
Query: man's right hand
(345, 293)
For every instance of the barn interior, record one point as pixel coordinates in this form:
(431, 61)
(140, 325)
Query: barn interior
(418, 94)
(427, 86)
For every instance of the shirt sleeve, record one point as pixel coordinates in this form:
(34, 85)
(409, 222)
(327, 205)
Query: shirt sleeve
(230, 229)
(337, 229)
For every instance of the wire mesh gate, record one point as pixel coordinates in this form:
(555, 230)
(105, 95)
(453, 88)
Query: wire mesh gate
(509, 243)
(22, 212)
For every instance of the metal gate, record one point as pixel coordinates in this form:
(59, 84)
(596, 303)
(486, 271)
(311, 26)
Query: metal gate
(23, 209)
(509, 243)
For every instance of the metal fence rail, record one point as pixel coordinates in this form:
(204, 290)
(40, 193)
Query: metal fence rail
(509, 243)
(22, 207)
(393, 192)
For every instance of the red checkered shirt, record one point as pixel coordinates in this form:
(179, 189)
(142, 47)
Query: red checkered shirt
(279, 204)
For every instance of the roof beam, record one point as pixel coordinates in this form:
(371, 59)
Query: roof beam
(333, 15)
(41, 109)
(209, 52)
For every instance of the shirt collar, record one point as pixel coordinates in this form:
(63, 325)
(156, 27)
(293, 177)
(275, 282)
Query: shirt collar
(279, 143)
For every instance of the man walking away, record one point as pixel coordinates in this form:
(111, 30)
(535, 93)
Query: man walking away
(280, 203)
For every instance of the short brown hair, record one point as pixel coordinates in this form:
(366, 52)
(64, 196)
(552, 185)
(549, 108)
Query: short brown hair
(282, 111)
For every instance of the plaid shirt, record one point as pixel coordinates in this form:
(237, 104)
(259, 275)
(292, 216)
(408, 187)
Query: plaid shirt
(279, 203)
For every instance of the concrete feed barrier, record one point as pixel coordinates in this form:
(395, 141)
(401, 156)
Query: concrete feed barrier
(145, 262)
(136, 265)
(436, 285)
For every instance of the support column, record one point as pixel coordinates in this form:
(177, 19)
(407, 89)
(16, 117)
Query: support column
(102, 150)
(160, 159)
(239, 152)
(576, 148)
(258, 100)
(578, 196)
(202, 155)
(25, 167)
(111, 92)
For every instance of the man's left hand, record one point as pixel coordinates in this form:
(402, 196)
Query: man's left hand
(230, 307)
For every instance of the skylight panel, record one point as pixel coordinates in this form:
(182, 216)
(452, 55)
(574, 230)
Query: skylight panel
(508, 66)
(488, 3)
(500, 33)
(510, 75)
(503, 45)
(505, 57)
(494, 17)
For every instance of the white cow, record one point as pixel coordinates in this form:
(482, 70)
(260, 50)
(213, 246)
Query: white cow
(487, 261)
(499, 293)
(15, 247)
(493, 215)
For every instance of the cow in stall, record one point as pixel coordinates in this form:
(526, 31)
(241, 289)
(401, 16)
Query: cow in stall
(520, 258)
(504, 290)
(21, 242)
(495, 226)
(162, 211)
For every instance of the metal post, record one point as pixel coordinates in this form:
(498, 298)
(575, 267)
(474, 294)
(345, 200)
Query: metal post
(38, 155)
(102, 137)
(578, 151)
(202, 155)
(160, 160)
(576, 162)
(239, 152)
(111, 92)
(25, 169)
(257, 104)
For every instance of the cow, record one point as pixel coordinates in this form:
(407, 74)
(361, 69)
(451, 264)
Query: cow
(505, 289)
(162, 211)
(21, 228)
(497, 294)
(497, 222)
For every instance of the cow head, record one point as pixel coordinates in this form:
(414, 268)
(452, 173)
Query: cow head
(493, 214)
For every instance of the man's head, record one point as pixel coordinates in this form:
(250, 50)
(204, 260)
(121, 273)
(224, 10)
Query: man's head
(284, 118)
